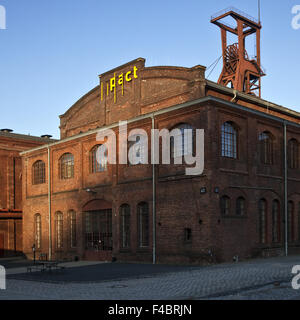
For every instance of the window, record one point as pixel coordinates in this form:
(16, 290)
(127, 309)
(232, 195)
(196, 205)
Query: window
(37, 231)
(73, 236)
(59, 230)
(263, 221)
(182, 143)
(275, 222)
(38, 172)
(143, 224)
(125, 226)
(266, 148)
(98, 163)
(137, 148)
(225, 205)
(290, 221)
(66, 166)
(293, 154)
(229, 141)
(240, 206)
(187, 235)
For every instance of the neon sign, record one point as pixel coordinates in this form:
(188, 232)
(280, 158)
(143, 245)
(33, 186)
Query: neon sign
(112, 83)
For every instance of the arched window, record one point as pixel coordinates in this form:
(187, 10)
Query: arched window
(263, 221)
(125, 226)
(266, 148)
(290, 221)
(59, 230)
(66, 166)
(293, 154)
(240, 206)
(229, 141)
(72, 230)
(275, 222)
(182, 141)
(37, 231)
(38, 172)
(225, 205)
(137, 148)
(98, 161)
(143, 224)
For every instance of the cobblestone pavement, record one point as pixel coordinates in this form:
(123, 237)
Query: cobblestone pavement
(260, 279)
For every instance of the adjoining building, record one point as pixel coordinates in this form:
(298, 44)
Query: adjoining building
(245, 204)
(11, 144)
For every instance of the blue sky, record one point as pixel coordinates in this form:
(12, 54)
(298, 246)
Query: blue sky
(53, 50)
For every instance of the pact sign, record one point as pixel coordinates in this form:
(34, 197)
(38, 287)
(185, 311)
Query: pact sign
(118, 80)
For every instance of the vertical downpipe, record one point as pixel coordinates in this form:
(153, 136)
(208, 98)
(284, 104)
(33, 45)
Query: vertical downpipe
(49, 205)
(153, 195)
(285, 192)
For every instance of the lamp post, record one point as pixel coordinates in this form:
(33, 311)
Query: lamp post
(33, 250)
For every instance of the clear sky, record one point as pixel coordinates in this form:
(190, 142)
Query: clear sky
(53, 50)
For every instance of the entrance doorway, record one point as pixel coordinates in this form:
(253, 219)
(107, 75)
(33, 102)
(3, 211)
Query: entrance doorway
(98, 231)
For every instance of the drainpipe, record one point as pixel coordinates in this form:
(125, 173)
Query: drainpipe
(153, 196)
(285, 190)
(49, 206)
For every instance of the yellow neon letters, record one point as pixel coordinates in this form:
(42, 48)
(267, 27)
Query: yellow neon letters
(119, 80)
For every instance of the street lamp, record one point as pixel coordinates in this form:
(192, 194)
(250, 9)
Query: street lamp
(33, 250)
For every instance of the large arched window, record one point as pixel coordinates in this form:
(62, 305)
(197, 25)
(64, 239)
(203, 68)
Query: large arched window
(225, 205)
(72, 230)
(37, 231)
(182, 141)
(266, 148)
(229, 141)
(276, 221)
(38, 172)
(98, 161)
(293, 154)
(290, 222)
(263, 221)
(66, 166)
(143, 224)
(125, 226)
(137, 153)
(59, 230)
(240, 206)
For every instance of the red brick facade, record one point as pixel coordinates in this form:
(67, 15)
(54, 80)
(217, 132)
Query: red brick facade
(11, 189)
(190, 227)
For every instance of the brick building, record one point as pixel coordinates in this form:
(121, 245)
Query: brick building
(246, 203)
(11, 145)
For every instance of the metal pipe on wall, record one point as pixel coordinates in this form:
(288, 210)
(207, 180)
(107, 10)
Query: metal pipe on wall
(153, 196)
(49, 205)
(285, 190)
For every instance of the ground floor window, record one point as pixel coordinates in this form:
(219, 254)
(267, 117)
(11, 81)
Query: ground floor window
(125, 226)
(143, 224)
(59, 230)
(38, 230)
(263, 221)
(73, 235)
(275, 222)
(290, 221)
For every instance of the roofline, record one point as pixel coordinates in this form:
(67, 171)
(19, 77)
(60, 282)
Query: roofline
(254, 99)
(163, 111)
